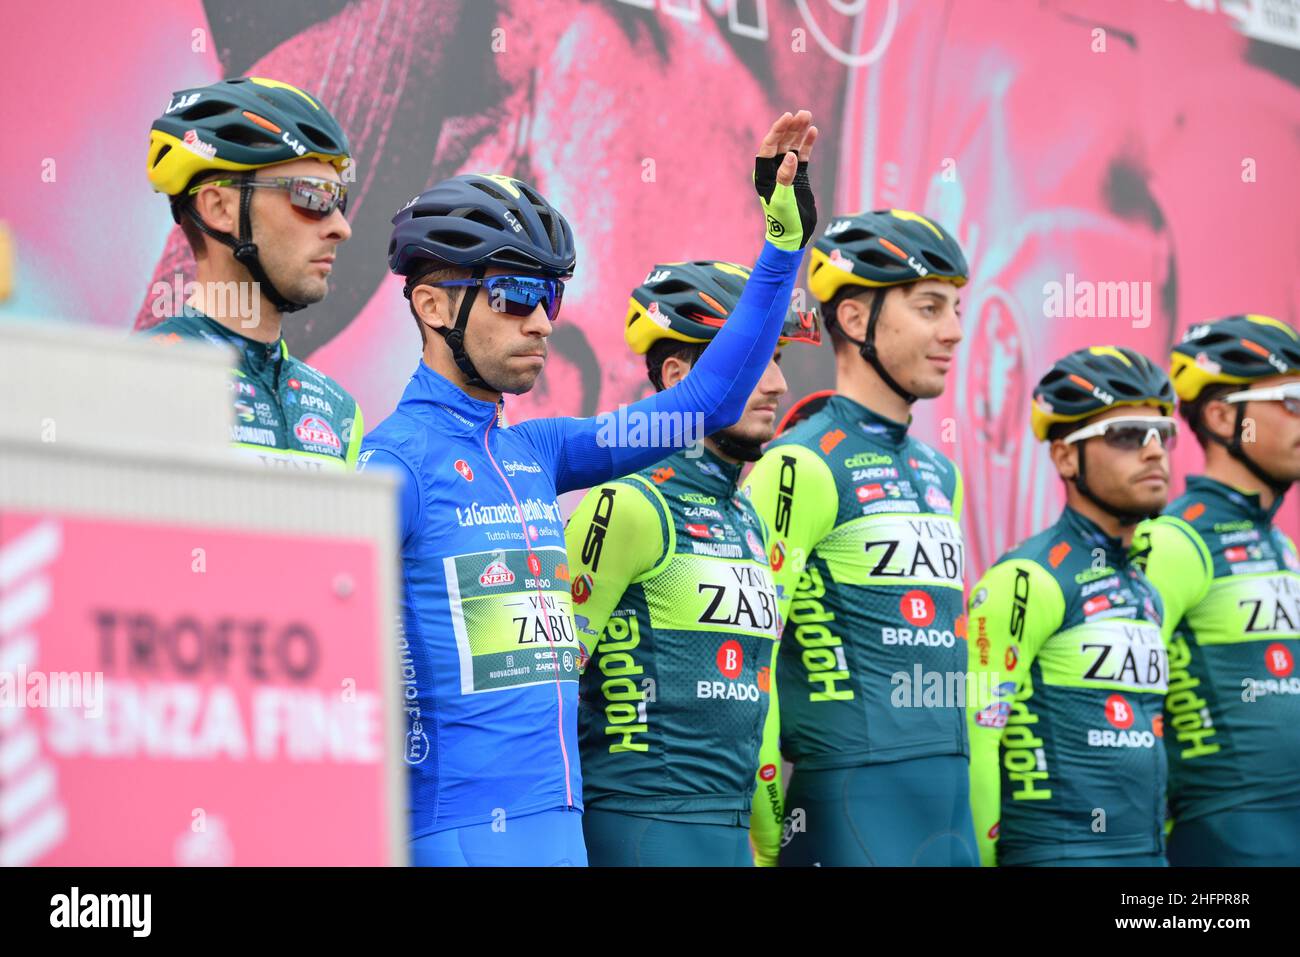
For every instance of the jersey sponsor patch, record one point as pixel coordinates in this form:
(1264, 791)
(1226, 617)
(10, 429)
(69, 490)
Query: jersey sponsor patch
(313, 430)
(900, 550)
(516, 627)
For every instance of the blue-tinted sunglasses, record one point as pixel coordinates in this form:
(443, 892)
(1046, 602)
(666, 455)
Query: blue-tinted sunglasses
(517, 295)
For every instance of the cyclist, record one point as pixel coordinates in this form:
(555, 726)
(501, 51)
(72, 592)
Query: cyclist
(1231, 585)
(489, 652)
(1067, 765)
(252, 168)
(866, 520)
(674, 601)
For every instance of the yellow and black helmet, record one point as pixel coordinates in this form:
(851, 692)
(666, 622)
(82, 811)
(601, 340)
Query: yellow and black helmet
(240, 125)
(887, 247)
(689, 302)
(1093, 380)
(1235, 350)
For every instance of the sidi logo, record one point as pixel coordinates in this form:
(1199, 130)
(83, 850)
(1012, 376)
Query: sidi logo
(102, 910)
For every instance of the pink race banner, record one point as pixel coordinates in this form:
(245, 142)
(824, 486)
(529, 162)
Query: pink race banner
(213, 700)
(1116, 171)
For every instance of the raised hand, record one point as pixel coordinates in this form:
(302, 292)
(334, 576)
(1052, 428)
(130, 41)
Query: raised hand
(781, 178)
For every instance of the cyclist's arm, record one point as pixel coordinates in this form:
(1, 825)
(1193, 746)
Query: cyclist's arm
(357, 431)
(585, 452)
(768, 812)
(1178, 563)
(615, 536)
(410, 504)
(794, 491)
(1016, 604)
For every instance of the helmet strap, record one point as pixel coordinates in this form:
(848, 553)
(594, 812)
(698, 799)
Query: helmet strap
(455, 337)
(867, 345)
(245, 250)
(744, 450)
(1125, 517)
(1238, 452)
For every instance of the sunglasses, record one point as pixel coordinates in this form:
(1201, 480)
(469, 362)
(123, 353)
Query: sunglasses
(517, 296)
(1130, 434)
(1288, 395)
(310, 195)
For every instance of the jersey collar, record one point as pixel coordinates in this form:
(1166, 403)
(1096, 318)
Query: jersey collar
(429, 393)
(1243, 501)
(707, 471)
(1093, 537)
(866, 422)
(259, 358)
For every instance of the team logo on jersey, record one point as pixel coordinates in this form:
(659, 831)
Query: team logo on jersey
(659, 476)
(463, 470)
(731, 659)
(535, 563)
(767, 772)
(755, 546)
(1194, 511)
(697, 531)
(295, 384)
(830, 440)
(710, 468)
(764, 679)
(561, 572)
(917, 607)
(1119, 712)
(994, 716)
(313, 430)
(777, 558)
(980, 597)
(497, 573)
(580, 590)
(937, 501)
(244, 411)
(869, 493)
(1278, 660)
(1094, 605)
(1012, 657)
(1058, 553)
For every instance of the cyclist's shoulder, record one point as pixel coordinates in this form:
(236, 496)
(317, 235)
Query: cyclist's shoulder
(1054, 553)
(185, 325)
(307, 380)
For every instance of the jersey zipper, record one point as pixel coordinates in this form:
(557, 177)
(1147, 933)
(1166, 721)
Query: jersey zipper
(546, 620)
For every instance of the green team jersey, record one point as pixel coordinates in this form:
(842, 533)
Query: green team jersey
(869, 561)
(674, 602)
(1231, 584)
(1066, 723)
(287, 414)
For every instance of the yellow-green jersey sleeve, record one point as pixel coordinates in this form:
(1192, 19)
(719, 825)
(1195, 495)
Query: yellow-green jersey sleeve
(768, 813)
(356, 432)
(616, 535)
(1178, 562)
(1007, 631)
(794, 491)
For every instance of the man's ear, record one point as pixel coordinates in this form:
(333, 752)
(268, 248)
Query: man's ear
(218, 207)
(433, 306)
(673, 371)
(1219, 418)
(851, 314)
(1065, 457)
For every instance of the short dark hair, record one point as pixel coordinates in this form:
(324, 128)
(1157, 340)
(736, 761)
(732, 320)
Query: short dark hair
(436, 274)
(1193, 412)
(665, 349)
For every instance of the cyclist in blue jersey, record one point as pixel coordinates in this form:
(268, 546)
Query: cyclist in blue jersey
(490, 657)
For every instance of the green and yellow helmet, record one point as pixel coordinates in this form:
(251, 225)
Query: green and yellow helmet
(1093, 380)
(689, 302)
(887, 247)
(1235, 350)
(240, 125)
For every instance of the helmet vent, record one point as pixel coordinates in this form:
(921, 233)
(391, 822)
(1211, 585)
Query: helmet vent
(204, 109)
(319, 138)
(250, 136)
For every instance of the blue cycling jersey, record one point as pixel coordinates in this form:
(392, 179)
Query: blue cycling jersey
(489, 653)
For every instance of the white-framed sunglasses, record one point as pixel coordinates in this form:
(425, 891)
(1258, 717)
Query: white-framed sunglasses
(1129, 433)
(1288, 394)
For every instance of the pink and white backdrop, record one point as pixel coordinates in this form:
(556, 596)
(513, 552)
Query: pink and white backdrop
(1147, 142)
